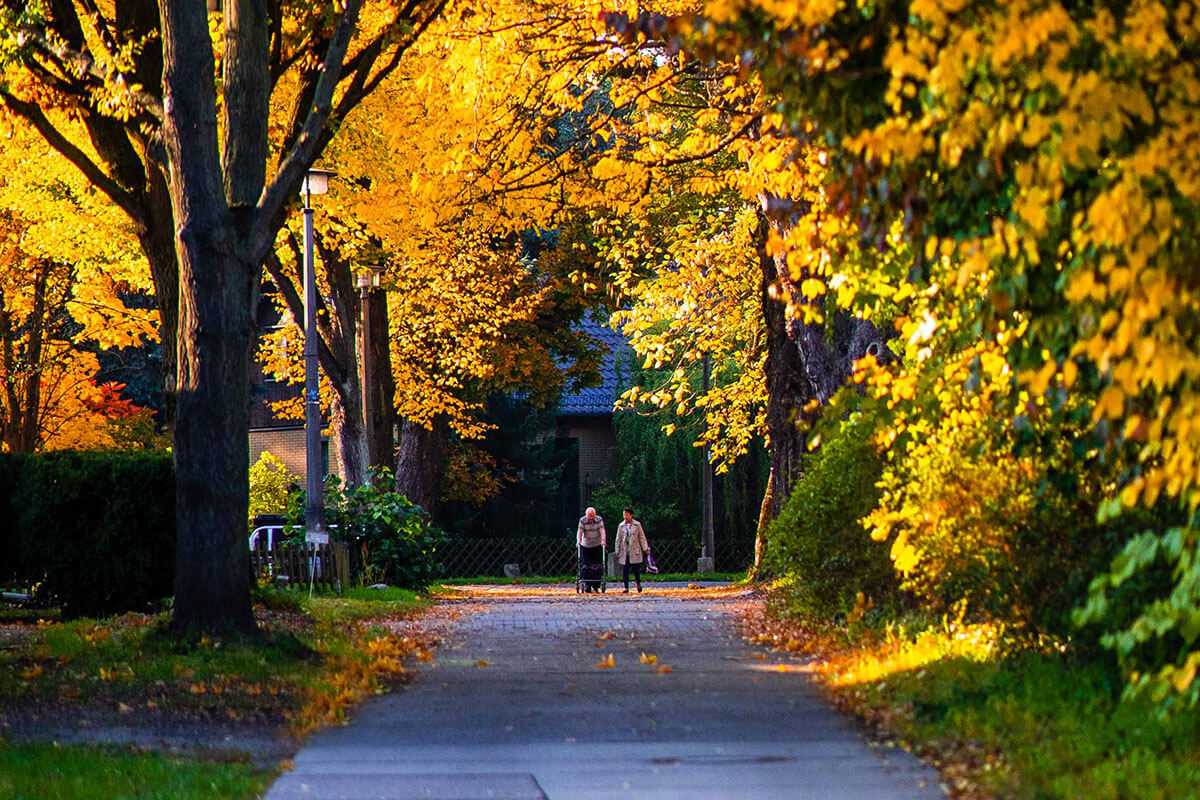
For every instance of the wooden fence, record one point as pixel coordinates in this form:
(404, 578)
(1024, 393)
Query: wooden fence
(327, 567)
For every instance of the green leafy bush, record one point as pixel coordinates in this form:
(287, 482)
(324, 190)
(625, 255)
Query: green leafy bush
(818, 540)
(394, 535)
(97, 528)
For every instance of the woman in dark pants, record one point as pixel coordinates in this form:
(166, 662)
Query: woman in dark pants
(632, 549)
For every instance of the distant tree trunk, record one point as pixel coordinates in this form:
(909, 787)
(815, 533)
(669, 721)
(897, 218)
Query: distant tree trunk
(788, 389)
(348, 437)
(21, 368)
(381, 441)
(420, 461)
(764, 520)
(337, 353)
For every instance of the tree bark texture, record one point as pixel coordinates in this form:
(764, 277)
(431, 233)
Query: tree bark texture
(348, 437)
(764, 521)
(212, 580)
(420, 460)
(22, 367)
(788, 391)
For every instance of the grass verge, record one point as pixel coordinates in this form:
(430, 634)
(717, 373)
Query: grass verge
(30, 771)
(313, 659)
(998, 716)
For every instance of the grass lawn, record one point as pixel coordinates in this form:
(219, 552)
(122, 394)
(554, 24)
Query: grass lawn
(50, 772)
(313, 659)
(1003, 718)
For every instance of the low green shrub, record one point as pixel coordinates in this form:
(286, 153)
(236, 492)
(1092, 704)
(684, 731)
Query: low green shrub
(395, 536)
(817, 538)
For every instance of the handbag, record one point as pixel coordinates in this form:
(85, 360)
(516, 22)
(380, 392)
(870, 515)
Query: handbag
(651, 567)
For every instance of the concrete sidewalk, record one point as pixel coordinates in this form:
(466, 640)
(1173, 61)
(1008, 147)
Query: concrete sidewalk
(540, 721)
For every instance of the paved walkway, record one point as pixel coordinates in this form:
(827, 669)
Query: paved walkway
(514, 707)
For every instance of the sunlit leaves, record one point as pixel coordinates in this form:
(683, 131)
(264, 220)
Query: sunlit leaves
(1048, 150)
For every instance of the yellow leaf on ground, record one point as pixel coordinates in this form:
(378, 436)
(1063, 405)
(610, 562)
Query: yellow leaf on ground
(481, 663)
(663, 670)
(606, 662)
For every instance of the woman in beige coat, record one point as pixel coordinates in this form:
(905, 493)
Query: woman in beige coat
(632, 548)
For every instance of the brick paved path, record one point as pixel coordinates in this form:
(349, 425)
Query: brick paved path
(542, 722)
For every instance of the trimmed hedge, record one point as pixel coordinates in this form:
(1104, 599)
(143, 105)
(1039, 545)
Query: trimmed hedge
(97, 528)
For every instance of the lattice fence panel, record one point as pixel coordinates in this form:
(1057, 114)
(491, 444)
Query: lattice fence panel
(466, 558)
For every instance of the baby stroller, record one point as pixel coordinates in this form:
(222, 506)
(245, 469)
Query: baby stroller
(590, 568)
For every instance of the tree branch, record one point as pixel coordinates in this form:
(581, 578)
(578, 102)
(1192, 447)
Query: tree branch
(33, 114)
(82, 63)
(307, 145)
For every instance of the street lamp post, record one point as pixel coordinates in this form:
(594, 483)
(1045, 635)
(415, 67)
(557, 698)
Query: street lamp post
(315, 182)
(707, 561)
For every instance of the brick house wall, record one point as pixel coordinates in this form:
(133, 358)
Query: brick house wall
(597, 449)
(289, 446)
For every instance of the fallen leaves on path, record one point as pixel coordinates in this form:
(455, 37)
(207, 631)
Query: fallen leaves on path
(606, 662)
(648, 659)
(481, 663)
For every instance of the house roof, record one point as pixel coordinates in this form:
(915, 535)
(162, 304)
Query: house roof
(597, 400)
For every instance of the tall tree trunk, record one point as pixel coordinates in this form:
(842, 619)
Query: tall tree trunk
(212, 583)
(220, 223)
(212, 578)
(420, 461)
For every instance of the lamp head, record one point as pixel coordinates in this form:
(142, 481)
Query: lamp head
(316, 182)
(369, 275)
